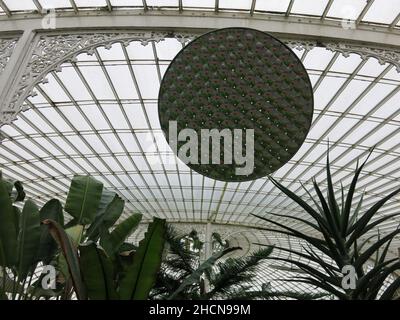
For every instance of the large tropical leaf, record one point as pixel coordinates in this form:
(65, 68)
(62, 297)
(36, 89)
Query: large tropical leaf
(28, 238)
(8, 230)
(111, 242)
(70, 254)
(97, 272)
(206, 265)
(141, 276)
(83, 199)
(106, 217)
(15, 190)
(47, 247)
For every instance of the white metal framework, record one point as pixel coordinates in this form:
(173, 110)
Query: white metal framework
(96, 79)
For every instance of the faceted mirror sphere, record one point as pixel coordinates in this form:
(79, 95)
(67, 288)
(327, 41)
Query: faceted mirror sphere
(241, 80)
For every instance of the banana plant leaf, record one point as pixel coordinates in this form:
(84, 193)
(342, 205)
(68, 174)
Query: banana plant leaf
(70, 253)
(141, 275)
(106, 216)
(83, 199)
(8, 230)
(48, 247)
(28, 238)
(15, 190)
(98, 273)
(111, 242)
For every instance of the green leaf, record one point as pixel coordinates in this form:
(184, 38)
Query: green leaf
(83, 199)
(141, 276)
(20, 193)
(70, 254)
(16, 195)
(111, 242)
(334, 208)
(354, 216)
(8, 231)
(346, 213)
(106, 198)
(300, 202)
(206, 265)
(364, 282)
(318, 243)
(363, 221)
(97, 272)
(389, 293)
(332, 225)
(28, 238)
(355, 235)
(106, 217)
(47, 247)
(373, 248)
(75, 233)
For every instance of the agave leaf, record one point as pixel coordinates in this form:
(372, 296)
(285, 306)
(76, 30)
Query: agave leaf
(322, 285)
(321, 229)
(301, 202)
(306, 256)
(326, 266)
(368, 227)
(389, 293)
(384, 253)
(318, 243)
(354, 216)
(358, 227)
(312, 198)
(364, 282)
(371, 250)
(349, 199)
(359, 248)
(333, 227)
(310, 270)
(325, 207)
(334, 208)
(312, 225)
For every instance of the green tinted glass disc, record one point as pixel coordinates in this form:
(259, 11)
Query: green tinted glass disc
(242, 83)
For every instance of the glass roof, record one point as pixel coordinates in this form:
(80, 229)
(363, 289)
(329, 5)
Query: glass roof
(98, 116)
(361, 11)
(81, 122)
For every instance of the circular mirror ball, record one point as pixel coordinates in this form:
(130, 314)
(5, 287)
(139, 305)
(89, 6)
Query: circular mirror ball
(238, 78)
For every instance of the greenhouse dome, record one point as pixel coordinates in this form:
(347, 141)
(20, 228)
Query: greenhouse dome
(79, 93)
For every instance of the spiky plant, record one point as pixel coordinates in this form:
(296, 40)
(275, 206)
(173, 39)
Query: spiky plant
(343, 234)
(183, 276)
